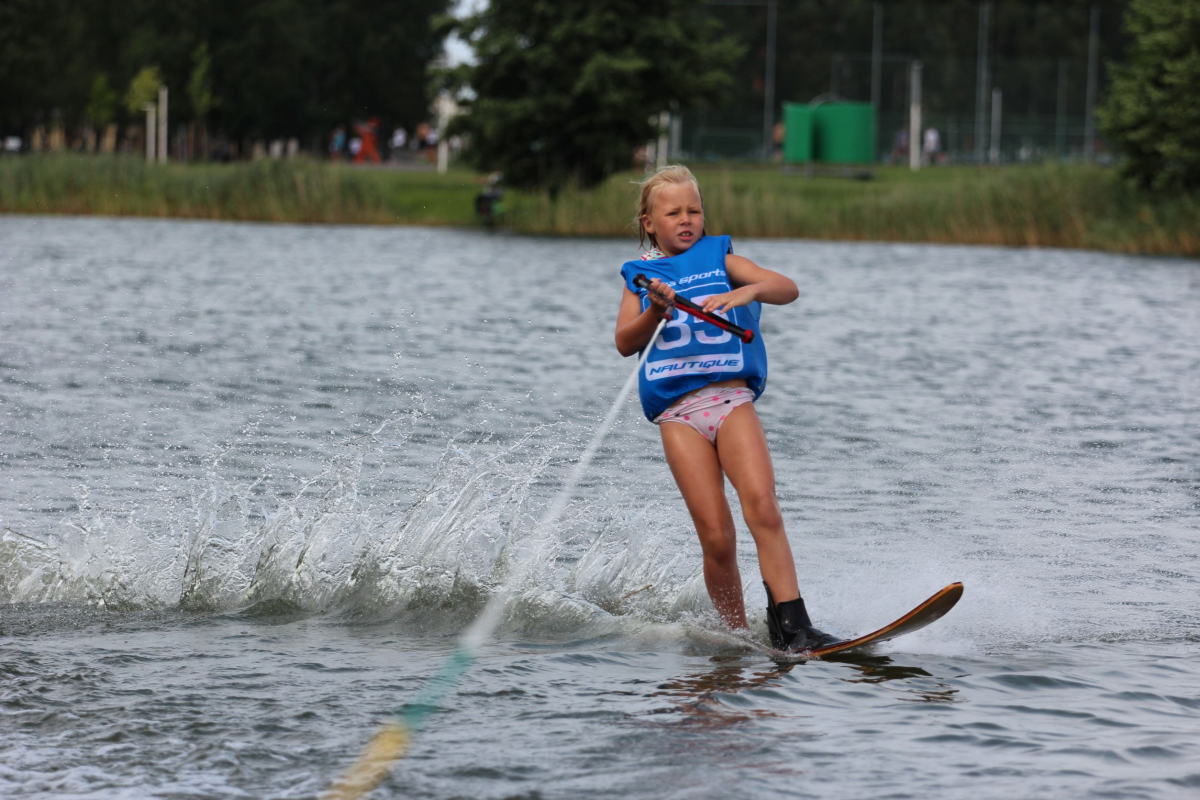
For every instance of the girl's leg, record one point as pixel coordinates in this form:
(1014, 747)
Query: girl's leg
(697, 470)
(744, 455)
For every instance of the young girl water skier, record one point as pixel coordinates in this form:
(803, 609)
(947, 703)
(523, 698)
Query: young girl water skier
(698, 385)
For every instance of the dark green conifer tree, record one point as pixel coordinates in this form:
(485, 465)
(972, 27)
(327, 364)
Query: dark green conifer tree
(1153, 109)
(564, 91)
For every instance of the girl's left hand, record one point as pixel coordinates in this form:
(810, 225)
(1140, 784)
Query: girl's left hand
(741, 296)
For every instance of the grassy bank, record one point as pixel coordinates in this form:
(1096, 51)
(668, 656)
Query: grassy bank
(270, 191)
(1049, 205)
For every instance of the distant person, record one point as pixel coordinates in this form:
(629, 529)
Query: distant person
(355, 147)
(900, 147)
(420, 135)
(1026, 151)
(398, 142)
(337, 143)
(489, 202)
(421, 141)
(367, 132)
(699, 385)
(416, 141)
(932, 146)
(431, 144)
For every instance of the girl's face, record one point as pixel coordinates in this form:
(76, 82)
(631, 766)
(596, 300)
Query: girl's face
(675, 218)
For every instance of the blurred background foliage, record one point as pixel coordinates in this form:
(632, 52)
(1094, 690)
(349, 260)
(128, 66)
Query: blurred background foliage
(293, 67)
(564, 91)
(1153, 109)
(253, 68)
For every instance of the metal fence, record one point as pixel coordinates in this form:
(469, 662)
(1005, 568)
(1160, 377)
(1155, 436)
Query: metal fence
(984, 109)
(1043, 105)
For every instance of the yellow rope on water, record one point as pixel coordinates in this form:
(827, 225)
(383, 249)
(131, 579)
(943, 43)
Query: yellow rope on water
(389, 744)
(373, 765)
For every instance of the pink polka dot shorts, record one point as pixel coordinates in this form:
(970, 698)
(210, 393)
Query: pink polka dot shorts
(706, 409)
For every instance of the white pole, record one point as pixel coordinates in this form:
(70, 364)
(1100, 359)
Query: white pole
(994, 152)
(660, 151)
(163, 130)
(151, 137)
(443, 156)
(446, 109)
(914, 118)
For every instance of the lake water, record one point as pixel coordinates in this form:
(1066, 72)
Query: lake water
(255, 480)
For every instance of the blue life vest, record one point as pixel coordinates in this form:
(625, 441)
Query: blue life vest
(689, 353)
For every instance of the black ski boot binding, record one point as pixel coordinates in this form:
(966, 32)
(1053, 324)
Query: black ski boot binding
(790, 628)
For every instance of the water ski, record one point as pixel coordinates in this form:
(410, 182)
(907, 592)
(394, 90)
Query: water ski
(931, 610)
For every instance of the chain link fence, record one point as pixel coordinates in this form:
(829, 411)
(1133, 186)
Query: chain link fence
(1042, 111)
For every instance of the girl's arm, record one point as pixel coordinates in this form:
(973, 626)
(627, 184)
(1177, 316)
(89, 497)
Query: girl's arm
(753, 283)
(634, 326)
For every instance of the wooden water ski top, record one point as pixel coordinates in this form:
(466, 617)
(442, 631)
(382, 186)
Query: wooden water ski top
(931, 610)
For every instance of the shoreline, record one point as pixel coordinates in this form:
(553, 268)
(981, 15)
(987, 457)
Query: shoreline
(1075, 207)
(576, 236)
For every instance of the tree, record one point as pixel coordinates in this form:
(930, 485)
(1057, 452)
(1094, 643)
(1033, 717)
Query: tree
(286, 67)
(199, 86)
(143, 89)
(564, 91)
(252, 68)
(200, 94)
(102, 104)
(1152, 112)
(38, 67)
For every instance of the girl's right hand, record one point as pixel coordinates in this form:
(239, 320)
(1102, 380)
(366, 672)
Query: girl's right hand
(662, 298)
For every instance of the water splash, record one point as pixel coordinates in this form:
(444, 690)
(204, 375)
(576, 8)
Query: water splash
(327, 546)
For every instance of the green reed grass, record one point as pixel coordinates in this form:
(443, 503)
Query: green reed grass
(1047, 205)
(298, 190)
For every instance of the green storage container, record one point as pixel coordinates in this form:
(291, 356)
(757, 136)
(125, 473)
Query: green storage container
(797, 133)
(843, 133)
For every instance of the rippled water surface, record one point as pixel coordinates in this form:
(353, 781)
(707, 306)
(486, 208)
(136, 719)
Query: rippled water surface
(255, 480)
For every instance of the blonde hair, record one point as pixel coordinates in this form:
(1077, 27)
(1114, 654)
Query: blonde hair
(674, 173)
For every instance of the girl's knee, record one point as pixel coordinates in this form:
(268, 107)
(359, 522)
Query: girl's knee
(722, 560)
(719, 546)
(761, 510)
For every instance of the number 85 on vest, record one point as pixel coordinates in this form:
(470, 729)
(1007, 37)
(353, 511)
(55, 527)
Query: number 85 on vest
(681, 333)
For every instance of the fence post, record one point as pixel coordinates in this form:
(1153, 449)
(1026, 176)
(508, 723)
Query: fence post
(163, 130)
(994, 152)
(914, 118)
(985, 13)
(1089, 125)
(876, 74)
(769, 83)
(151, 136)
(1060, 122)
(660, 150)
